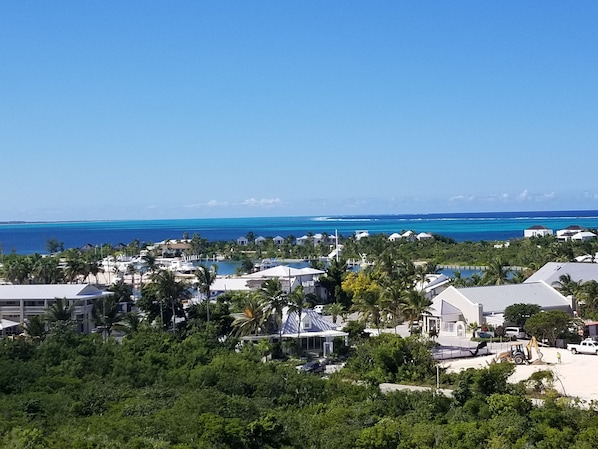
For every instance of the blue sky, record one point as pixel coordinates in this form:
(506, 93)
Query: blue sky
(191, 109)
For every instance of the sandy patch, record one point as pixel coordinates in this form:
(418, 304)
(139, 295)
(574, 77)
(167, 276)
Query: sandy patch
(573, 376)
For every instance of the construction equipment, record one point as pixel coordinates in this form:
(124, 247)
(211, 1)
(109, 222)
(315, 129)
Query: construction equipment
(519, 356)
(515, 355)
(533, 344)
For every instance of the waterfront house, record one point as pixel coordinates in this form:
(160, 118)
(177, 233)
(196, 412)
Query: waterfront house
(394, 237)
(583, 236)
(278, 240)
(408, 235)
(260, 240)
(303, 240)
(537, 231)
(567, 233)
(290, 278)
(242, 241)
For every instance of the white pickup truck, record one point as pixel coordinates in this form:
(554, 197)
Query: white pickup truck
(585, 347)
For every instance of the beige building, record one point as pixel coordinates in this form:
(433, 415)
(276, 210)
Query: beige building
(21, 302)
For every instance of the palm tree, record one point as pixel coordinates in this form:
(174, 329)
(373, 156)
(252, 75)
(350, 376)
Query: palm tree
(35, 328)
(252, 320)
(497, 273)
(387, 266)
(74, 268)
(276, 301)
(17, 269)
(333, 279)
(46, 271)
(205, 279)
(415, 305)
(131, 270)
(121, 291)
(170, 291)
(94, 269)
(149, 265)
(458, 280)
(60, 311)
(106, 314)
(391, 301)
(335, 310)
(131, 323)
(368, 305)
(567, 286)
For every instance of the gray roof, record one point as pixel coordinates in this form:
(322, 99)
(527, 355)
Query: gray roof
(448, 309)
(318, 323)
(552, 271)
(50, 291)
(496, 298)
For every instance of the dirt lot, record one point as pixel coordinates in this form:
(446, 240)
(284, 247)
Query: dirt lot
(574, 376)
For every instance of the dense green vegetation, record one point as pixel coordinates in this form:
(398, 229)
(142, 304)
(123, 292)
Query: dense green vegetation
(154, 390)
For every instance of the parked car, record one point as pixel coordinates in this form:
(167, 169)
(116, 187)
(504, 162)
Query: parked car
(312, 367)
(517, 332)
(588, 346)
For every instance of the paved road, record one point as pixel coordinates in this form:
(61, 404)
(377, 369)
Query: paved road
(389, 388)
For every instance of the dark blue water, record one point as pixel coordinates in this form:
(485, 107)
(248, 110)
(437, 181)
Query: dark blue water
(25, 238)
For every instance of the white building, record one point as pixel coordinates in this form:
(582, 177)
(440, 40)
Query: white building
(455, 308)
(537, 231)
(21, 302)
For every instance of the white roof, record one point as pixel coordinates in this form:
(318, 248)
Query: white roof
(7, 324)
(552, 271)
(224, 284)
(496, 298)
(290, 322)
(282, 271)
(50, 291)
(581, 235)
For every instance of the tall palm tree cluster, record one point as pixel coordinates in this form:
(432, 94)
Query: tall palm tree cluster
(389, 292)
(37, 269)
(263, 310)
(584, 293)
(106, 312)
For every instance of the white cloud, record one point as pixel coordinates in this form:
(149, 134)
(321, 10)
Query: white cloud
(214, 203)
(467, 198)
(523, 195)
(263, 202)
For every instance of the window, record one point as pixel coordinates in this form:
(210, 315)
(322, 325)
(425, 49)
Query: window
(34, 303)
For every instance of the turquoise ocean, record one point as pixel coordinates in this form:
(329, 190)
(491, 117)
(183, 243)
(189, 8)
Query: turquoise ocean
(26, 238)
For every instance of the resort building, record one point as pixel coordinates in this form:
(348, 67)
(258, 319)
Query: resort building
(21, 302)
